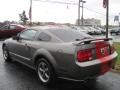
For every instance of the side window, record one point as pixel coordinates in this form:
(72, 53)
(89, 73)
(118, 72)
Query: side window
(12, 27)
(6, 27)
(28, 35)
(44, 37)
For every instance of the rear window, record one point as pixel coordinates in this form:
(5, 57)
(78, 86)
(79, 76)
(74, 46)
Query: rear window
(69, 35)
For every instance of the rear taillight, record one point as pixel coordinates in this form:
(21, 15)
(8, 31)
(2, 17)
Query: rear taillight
(84, 55)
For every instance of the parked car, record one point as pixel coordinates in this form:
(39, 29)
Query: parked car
(91, 32)
(101, 29)
(115, 31)
(103, 32)
(81, 28)
(94, 31)
(58, 52)
(9, 30)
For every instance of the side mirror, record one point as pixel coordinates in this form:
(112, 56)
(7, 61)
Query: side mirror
(15, 37)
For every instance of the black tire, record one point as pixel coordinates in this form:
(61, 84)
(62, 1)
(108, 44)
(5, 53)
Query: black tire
(6, 55)
(91, 83)
(45, 72)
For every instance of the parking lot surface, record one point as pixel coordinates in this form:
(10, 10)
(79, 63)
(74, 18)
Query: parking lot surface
(15, 76)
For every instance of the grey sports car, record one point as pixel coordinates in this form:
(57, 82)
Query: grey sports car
(61, 52)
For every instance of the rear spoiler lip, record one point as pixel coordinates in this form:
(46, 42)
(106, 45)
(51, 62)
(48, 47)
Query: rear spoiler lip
(87, 41)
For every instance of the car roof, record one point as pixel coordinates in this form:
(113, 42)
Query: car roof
(51, 27)
(18, 25)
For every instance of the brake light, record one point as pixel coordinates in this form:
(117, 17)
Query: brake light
(84, 55)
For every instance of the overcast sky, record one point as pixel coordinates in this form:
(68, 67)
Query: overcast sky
(43, 11)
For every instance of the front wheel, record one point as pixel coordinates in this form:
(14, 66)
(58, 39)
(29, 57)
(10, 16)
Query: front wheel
(6, 55)
(45, 72)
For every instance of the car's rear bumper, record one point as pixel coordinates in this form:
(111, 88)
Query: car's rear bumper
(92, 69)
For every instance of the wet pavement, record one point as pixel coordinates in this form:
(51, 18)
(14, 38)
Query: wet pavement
(15, 76)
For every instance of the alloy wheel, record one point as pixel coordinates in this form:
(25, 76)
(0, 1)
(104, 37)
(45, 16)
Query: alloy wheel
(43, 72)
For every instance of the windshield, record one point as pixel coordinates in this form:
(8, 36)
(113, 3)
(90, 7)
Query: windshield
(69, 35)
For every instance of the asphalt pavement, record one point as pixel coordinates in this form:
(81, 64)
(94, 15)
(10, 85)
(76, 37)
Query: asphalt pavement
(15, 76)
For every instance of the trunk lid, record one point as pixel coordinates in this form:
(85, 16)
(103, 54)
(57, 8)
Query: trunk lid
(93, 49)
(96, 49)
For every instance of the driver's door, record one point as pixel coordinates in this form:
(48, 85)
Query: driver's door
(22, 48)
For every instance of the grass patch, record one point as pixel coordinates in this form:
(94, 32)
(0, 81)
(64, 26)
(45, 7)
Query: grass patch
(117, 47)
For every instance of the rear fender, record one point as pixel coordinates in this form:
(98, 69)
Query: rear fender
(46, 54)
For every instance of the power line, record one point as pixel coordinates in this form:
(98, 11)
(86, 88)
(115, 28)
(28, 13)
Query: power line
(71, 3)
(57, 2)
(94, 11)
(98, 12)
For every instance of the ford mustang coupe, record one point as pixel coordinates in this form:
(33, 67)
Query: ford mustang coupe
(61, 52)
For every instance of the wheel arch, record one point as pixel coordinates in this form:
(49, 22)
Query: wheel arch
(3, 45)
(42, 53)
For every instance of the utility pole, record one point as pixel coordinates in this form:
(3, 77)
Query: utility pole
(79, 12)
(107, 18)
(79, 5)
(30, 13)
(82, 19)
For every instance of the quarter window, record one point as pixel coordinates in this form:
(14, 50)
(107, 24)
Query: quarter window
(6, 27)
(44, 37)
(12, 26)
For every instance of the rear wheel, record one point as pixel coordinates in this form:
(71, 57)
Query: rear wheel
(6, 55)
(90, 83)
(45, 72)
